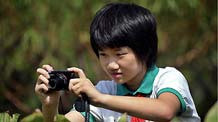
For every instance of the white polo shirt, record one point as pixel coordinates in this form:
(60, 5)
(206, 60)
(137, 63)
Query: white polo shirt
(155, 82)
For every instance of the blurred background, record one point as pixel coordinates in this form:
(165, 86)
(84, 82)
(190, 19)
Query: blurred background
(37, 32)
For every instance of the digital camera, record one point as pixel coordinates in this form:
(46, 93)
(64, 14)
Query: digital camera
(59, 80)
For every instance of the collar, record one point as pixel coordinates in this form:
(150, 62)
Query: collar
(146, 84)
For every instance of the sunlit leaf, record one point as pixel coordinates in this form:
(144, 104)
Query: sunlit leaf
(123, 118)
(34, 117)
(5, 117)
(212, 114)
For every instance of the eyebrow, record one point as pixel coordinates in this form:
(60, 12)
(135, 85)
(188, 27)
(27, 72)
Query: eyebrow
(118, 49)
(121, 49)
(115, 49)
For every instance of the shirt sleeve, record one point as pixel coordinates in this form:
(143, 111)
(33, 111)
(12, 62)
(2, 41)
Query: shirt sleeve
(107, 87)
(174, 82)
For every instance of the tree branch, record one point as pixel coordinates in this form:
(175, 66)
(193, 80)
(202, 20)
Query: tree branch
(13, 99)
(195, 52)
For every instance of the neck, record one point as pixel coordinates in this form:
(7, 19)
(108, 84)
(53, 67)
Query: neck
(136, 82)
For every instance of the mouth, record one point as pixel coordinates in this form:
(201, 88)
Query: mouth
(116, 75)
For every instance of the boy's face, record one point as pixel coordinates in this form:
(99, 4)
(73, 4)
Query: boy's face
(122, 65)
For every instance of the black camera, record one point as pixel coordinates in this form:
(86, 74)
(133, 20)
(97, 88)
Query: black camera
(59, 80)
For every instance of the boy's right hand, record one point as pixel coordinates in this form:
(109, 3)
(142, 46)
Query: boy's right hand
(46, 97)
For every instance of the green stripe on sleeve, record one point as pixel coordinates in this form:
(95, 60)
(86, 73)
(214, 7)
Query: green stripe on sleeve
(91, 118)
(171, 90)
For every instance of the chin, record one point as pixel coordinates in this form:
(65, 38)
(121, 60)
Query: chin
(119, 81)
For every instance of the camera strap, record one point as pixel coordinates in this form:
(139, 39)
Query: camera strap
(82, 105)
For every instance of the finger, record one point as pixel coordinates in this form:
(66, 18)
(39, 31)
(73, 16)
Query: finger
(78, 71)
(49, 68)
(43, 72)
(76, 91)
(72, 83)
(41, 89)
(75, 87)
(42, 80)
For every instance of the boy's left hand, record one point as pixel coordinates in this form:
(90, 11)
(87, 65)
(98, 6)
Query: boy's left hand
(83, 85)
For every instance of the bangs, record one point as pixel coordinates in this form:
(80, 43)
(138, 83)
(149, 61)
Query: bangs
(110, 39)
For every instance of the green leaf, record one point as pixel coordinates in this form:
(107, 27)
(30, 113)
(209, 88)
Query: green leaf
(34, 117)
(38, 117)
(212, 114)
(5, 117)
(61, 118)
(15, 117)
(123, 118)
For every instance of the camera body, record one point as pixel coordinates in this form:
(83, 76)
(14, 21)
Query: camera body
(59, 80)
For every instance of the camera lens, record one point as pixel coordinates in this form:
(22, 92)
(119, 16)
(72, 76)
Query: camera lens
(58, 82)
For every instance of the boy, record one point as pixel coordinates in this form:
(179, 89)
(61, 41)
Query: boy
(123, 36)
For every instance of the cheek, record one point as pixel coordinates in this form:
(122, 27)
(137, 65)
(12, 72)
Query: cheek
(130, 66)
(103, 64)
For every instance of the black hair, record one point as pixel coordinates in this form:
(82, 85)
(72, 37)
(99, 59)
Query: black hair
(125, 24)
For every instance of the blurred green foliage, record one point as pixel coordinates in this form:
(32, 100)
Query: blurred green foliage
(212, 114)
(33, 33)
(5, 117)
(38, 117)
(34, 117)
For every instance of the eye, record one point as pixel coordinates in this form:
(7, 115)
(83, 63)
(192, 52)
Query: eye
(102, 54)
(121, 54)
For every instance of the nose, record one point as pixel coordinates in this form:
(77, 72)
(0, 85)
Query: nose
(112, 65)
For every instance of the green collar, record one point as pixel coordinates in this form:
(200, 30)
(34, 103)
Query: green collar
(145, 87)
